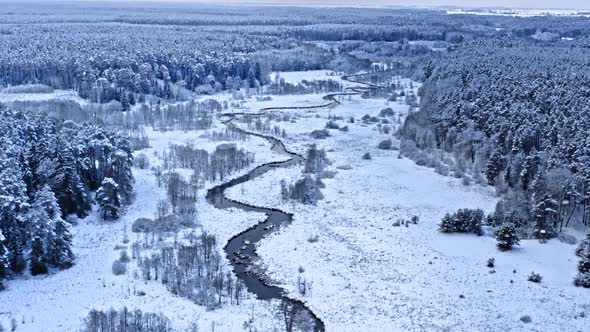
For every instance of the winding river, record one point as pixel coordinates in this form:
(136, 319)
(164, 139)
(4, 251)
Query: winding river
(241, 249)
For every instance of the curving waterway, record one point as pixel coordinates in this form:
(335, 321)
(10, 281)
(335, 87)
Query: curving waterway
(241, 249)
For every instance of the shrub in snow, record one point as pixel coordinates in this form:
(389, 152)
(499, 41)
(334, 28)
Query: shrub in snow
(141, 161)
(119, 268)
(385, 145)
(535, 277)
(582, 280)
(303, 285)
(142, 225)
(584, 264)
(124, 257)
(344, 129)
(423, 158)
(491, 262)
(584, 248)
(319, 134)
(463, 221)
(466, 180)
(387, 112)
(332, 125)
(507, 237)
(583, 251)
(526, 319)
(367, 156)
(442, 169)
(369, 119)
(313, 239)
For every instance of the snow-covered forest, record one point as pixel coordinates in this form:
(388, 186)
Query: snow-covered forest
(184, 167)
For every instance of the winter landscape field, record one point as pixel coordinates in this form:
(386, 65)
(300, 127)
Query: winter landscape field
(287, 167)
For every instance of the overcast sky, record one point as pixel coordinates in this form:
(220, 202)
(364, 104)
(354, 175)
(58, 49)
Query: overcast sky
(562, 4)
(537, 4)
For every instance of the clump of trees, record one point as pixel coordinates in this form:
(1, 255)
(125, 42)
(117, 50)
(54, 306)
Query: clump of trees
(463, 221)
(307, 189)
(125, 320)
(192, 270)
(225, 160)
(583, 252)
(48, 170)
(518, 134)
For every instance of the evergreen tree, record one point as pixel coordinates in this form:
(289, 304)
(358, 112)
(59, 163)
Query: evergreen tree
(67, 186)
(583, 251)
(59, 240)
(3, 259)
(40, 223)
(584, 247)
(251, 78)
(108, 199)
(13, 208)
(494, 167)
(122, 174)
(59, 251)
(507, 237)
(545, 214)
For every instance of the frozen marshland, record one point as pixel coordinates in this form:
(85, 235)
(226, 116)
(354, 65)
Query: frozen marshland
(191, 167)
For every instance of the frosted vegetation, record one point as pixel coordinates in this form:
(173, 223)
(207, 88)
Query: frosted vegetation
(96, 102)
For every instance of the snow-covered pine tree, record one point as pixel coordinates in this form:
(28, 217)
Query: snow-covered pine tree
(507, 237)
(583, 247)
(108, 199)
(121, 173)
(3, 259)
(545, 214)
(39, 224)
(13, 208)
(58, 251)
(494, 166)
(66, 184)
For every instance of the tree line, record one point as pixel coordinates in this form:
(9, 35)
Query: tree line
(49, 169)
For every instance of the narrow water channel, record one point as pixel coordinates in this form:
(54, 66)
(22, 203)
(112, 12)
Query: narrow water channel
(241, 249)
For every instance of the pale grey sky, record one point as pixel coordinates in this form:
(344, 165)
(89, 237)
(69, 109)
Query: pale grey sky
(538, 4)
(525, 4)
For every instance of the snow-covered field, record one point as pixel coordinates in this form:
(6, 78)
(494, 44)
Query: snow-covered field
(296, 77)
(57, 94)
(60, 301)
(367, 274)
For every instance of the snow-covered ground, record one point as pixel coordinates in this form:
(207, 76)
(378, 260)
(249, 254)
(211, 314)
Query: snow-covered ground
(296, 77)
(60, 301)
(515, 12)
(367, 274)
(57, 94)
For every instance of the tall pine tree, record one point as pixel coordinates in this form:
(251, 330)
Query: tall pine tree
(58, 251)
(108, 199)
(66, 184)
